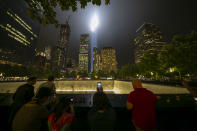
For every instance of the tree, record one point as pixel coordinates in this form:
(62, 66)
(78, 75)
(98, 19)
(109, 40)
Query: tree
(150, 65)
(101, 74)
(112, 74)
(73, 74)
(181, 54)
(83, 74)
(44, 10)
(128, 71)
(94, 75)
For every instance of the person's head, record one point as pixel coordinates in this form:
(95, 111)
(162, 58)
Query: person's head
(101, 101)
(99, 89)
(43, 94)
(62, 107)
(137, 83)
(51, 78)
(32, 80)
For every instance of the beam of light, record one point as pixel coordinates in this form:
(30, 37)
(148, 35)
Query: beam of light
(93, 44)
(94, 23)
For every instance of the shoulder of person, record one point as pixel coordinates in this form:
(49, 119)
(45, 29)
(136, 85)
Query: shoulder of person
(42, 107)
(44, 113)
(51, 117)
(69, 118)
(132, 92)
(27, 86)
(22, 86)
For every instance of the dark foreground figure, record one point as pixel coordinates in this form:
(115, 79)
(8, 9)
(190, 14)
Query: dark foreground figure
(101, 117)
(62, 117)
(23, 95)
(33, 115)
(142, 102)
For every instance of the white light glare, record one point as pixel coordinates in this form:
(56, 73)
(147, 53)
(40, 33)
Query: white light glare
(94, 23)
(195, 98)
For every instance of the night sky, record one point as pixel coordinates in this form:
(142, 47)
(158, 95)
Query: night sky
(119, 21)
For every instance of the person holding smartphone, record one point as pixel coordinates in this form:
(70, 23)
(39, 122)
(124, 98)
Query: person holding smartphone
(99, 87)
(63, 116)
(101, 116)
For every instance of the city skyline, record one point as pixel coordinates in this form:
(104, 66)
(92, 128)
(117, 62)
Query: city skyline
(108, 60)
(148, 39)
(84, 53)
(103, 57)
(19, 33)
(117, 27)
(120, 20)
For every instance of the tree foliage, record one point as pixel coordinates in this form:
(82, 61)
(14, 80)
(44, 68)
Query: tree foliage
(21, 71)
(44, 11)
(181, 54)
(128, 71)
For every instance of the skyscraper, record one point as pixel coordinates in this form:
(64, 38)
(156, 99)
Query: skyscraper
(84, 53)
(42, 58)
(108, 57)
(96, 60)
(40, 61)
(18, 33)
(59, 52)
(148, 39)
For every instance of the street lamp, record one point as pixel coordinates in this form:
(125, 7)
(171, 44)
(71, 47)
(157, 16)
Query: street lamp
(170, 69)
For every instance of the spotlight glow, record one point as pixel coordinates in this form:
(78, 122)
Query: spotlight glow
(94, 23)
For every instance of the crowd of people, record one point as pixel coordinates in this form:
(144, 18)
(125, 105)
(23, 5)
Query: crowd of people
(44, 111)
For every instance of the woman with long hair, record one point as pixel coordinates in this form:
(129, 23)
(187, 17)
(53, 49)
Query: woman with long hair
(101, 117)
(62, 116)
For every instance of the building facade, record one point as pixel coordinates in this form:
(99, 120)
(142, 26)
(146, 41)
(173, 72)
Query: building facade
(96, 60)
(84, 53)
(108, 57)
(148, 39)
(42, 58)
(60, 50)
(71, 65)
(18, 32)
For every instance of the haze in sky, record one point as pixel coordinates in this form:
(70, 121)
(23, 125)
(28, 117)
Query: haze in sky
(119, 21)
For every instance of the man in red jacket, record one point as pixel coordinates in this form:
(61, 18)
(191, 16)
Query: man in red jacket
(142, 103)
